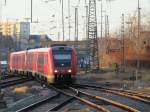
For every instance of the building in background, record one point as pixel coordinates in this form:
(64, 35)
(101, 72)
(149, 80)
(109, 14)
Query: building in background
(19, 31)
(7, 45)
(14, 36)
(35, 41)
(22, 33)
(7, 28)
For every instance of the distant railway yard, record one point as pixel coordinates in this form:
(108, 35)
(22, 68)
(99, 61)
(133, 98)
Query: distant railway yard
(21, 94)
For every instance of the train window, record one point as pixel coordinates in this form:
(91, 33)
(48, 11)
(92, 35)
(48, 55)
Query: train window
(46, 60)
(27, 58)
(62, 56)
(16, 60)
(41, 59)
(34, 58)
(62, 60)
(30, 58)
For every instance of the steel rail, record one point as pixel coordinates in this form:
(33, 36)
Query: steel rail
(132, 93)
(9, 81)
(117, 92)
(114, 103)
(144, 93)
(6, 76)
(127, 95)
(128, 91)
(59, 106)
(137, 94)
(33, 105)
(13, 82)
(91, 104)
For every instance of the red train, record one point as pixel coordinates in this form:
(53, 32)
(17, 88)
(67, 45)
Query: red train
(57, 63)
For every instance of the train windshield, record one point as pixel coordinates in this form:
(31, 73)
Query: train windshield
(62, 56)
(62, 59)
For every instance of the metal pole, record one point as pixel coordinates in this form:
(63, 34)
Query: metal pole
(5, 2)
(63, 20)
(69, 17)
(86, 22)
(138, 42)
(31, 9)
(86, 37)
(101, 19)
(75, 29)
(123, 53)
(138, 59)
(105, 26)
(76, 26)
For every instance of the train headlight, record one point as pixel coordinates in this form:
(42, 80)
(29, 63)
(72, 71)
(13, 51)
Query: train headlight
(69, 70)
(56, 71)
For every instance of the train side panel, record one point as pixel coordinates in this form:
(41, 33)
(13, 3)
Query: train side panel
(10, 62)
(17, 61)
(34, 63)
(40, 63)
(45, 66)
(74, 63)
(50, 74)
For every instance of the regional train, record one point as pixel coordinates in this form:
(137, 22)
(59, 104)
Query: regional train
(53, 64)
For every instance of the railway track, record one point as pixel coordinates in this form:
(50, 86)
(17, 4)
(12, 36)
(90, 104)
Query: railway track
(144, 93)
(9, 83)
(47, 101)
(73, 93)
(62, 104)
(40, 102)
(125, 93)
(96, 106)
(36, 104)
(78, 95)
(6, 75)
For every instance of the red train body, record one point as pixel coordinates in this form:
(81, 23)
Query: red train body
(51, 64)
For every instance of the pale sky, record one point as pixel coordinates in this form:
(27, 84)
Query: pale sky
(49, 14)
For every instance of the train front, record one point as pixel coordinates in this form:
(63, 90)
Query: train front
(65, 66)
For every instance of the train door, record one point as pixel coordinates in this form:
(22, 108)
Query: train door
(40, 64)
(45, 63)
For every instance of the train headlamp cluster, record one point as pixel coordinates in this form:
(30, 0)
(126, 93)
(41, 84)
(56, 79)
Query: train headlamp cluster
(69, 70)
(56, 71)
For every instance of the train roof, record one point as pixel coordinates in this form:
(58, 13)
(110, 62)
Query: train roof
(44, 49)
(62, 48)
(18, 52)
(56, 45)
(39, 50)
(47, 49)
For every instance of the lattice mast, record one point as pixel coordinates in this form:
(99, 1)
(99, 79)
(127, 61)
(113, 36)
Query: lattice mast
(92, 35)
(76, 27)
(123, 43)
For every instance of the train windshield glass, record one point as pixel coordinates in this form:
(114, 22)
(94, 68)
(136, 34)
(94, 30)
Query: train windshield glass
(62, 58)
